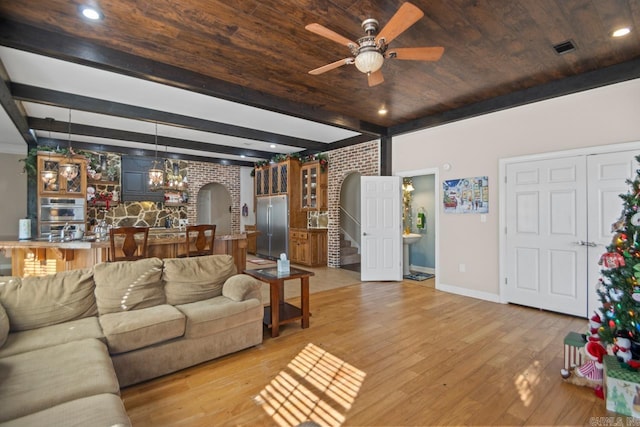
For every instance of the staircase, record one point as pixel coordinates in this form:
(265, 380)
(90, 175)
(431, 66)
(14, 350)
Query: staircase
(348, 254)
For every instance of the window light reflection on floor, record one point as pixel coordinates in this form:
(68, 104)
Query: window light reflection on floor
(315, 386)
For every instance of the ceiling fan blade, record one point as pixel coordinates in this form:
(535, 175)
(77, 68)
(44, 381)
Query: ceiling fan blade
(406, 16)
(375, 78)
(417, 53)
(331, 66)
(330, 34)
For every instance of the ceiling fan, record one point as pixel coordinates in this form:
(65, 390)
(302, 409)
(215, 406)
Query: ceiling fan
(371, 50)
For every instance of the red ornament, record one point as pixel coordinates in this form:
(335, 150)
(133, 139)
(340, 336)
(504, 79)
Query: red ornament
(612, 324)
(612, 260)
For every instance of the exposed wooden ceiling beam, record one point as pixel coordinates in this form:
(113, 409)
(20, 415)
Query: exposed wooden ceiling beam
(101, 132)
(604, 76)
(99, 106)
(15, 113)
(78, 145)
(49, 43)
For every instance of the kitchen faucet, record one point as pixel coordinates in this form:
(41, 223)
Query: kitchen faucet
(64, 231)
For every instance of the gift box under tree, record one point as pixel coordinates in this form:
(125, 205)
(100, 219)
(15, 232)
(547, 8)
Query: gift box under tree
(573, 350)
(621, 387)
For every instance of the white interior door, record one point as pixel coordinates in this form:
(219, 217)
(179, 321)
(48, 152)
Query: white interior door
(606, 180)
(381, 240)
(546, 221)
(559, 217)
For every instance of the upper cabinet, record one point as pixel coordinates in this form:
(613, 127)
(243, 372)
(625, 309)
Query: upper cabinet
(313, 186)
(57, 184)
(276, 178)
(135, 180)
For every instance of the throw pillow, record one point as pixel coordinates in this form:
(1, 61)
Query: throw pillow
(128, 285)
(194, 279)
(4, 326)
(35, 302)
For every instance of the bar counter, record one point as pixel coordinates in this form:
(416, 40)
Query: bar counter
(39, 256)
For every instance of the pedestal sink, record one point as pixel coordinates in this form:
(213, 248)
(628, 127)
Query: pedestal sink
(407, 239)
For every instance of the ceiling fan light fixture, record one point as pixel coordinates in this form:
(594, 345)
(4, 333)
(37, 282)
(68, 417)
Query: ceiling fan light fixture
(369, 61)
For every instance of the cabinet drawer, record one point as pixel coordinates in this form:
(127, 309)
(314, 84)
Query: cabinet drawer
(299, 235)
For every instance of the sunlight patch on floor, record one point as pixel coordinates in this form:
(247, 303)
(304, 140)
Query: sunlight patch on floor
(315, 386)
(527, 381)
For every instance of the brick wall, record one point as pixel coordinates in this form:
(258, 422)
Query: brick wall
(362, 158)
(200, 174)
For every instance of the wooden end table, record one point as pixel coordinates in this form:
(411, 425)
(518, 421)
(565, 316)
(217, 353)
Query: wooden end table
(279, 311)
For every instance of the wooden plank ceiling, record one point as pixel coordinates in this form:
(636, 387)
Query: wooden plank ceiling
(257, 52)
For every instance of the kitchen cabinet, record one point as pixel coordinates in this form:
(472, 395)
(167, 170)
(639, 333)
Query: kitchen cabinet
(313, 186)
(60, 186)
(135, 180)
(275, 178)
(308, 247)
(61, 202)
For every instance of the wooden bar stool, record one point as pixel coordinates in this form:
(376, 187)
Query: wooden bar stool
(199, 240)
(130, 248)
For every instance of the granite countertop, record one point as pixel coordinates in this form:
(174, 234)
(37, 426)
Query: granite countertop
(156, 236)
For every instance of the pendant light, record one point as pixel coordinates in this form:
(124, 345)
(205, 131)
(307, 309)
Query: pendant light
(156, 175)
(67, 169)
(48, 174)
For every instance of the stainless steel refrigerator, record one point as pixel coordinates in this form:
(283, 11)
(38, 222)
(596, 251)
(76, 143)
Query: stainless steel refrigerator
(272, 222)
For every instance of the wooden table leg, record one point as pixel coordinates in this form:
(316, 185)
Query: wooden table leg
(304, 298)
(275, 309)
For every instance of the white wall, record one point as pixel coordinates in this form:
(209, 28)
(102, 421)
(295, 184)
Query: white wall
(13, 200)
(607, 115)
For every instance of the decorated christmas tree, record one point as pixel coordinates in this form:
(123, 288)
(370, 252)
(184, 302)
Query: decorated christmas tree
(619, 283)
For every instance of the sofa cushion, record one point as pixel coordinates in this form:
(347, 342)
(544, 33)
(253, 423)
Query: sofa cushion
(40, 379)
(100, 410)
(213, 315)
(34, 302)
(4, 326)
(131, 330)
(47, 336)
(193, 279)
(128, 285)
(241, 287)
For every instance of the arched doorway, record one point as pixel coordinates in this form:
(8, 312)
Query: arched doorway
(350, 222)
(214, 207)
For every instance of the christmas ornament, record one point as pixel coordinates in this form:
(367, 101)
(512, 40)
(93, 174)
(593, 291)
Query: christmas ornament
(612, 260)
(635, 219)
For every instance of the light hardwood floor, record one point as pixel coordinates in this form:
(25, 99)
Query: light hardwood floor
(383, 354)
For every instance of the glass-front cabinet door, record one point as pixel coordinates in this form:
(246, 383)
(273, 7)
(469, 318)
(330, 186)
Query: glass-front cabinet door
(52, 182)
(309, 176)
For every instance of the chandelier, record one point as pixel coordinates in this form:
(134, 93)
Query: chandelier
(156, 175)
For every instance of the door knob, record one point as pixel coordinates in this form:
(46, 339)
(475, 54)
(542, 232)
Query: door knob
(579, 243)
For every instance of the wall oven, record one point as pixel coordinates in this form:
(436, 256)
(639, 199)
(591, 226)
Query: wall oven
(56, 212)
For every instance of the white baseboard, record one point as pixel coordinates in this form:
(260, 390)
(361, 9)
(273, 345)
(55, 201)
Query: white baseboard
(469, 293)
(420, 269)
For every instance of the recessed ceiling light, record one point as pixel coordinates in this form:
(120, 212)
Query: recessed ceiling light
(382, 111)
(621, 32)
(91, 13)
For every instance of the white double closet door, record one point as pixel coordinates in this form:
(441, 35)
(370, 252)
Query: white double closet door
(559, 214)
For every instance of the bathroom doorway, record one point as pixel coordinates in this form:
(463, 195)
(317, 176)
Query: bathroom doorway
(423, 203)
(214, 207)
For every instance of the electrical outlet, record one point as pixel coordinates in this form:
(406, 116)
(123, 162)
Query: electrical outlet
(462, 268)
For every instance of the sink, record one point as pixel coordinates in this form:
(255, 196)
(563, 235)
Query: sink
(411, 238)
(408, 239)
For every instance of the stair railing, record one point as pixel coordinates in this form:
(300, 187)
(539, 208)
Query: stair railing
(350, 227)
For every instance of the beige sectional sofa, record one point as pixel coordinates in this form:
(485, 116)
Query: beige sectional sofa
(70, 341)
